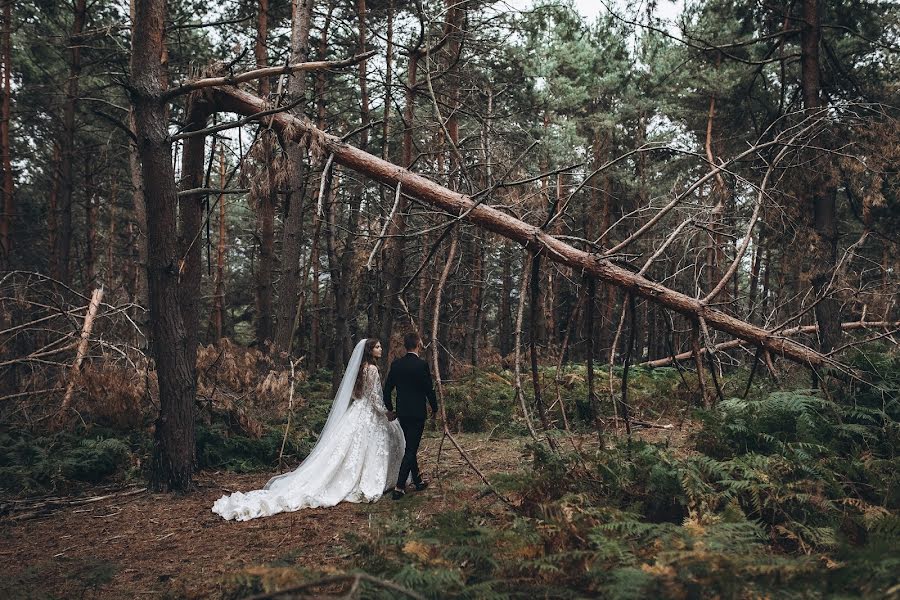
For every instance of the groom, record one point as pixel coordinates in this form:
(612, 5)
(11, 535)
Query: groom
(412, 378)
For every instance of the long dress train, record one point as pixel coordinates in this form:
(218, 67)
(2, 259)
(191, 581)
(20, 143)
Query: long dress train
(356, 463)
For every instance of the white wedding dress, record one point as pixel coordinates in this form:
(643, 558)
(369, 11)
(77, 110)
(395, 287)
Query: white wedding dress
(356, 458)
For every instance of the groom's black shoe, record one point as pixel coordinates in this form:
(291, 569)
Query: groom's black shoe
(421, 486)
(397, 494)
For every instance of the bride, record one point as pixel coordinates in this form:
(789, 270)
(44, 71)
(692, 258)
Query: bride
(355, 460)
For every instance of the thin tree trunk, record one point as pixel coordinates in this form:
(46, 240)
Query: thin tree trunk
(219, 298)
(190, 209)
(534, 309)
(111, 242)
(63, 250)
(754, 277)
(139, 206)
(473, 331)
(388, 81)
(506, 287)
(767, 269)
(520, 317)
(264, 197)
(90, 219)
(698, 363)
(589, 316)
(292, 241)
(9, 205)
(824, 207)
(53, 212)
(173, 454)
(315, 326)
(395, 248)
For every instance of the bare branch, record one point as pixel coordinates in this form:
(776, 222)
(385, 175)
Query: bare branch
(255, 74)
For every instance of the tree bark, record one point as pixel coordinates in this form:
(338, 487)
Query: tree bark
(824, 210)
(219, 296)
(264, 197)
(473, 317)
(190, 208)
(591, 291)
(173, 454)
(90, 219)
(533, 311)
(506, 286)
(9, 205)
(291, 241)
(63, 250)
(394, 248)
(140, 250)
(528, 235)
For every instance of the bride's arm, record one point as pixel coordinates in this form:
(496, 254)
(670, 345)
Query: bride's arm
(373, 388)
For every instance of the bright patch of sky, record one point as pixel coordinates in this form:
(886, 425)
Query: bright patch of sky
(667, 10)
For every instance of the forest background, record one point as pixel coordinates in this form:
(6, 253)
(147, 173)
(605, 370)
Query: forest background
(657, 257)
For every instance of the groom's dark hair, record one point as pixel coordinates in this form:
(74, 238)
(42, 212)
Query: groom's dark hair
(411, 341)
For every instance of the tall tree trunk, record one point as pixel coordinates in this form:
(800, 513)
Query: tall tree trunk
(395, 248)
(140, 250)
(340, 267)
(533, 310)
(111, 242)
(190, 208)
(473, 331)
(291, 241)
(315, 333)
(219, 297)
(9, 205)
(90, 219)
(264, 197)
(52, 211)
(824, 237)
(63, 250)
(717, 197)
(754, 276)
(591, 291)
(173, 453)
(506, 286)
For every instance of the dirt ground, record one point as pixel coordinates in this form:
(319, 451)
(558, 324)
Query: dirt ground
(163, 545)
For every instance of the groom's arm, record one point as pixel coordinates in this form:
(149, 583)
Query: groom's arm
(429, 391)
(389, 385)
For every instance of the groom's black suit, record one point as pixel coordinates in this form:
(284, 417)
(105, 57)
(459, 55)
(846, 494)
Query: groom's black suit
(412, 379)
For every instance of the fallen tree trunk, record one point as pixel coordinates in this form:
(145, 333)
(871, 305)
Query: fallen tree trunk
(731, 344)
(231, 99)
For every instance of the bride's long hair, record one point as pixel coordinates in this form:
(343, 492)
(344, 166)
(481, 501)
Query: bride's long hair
(367, 359)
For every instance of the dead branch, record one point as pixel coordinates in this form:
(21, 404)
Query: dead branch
(731, 344)
(96, 297)
(255, 74)
(746, 241)
(39, 509)
(197, 191)
(520, 313)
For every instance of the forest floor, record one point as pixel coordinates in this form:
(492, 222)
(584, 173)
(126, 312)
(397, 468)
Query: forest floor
(163, 545)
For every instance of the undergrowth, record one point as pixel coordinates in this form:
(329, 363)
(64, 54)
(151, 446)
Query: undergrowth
(782, 493)
(788, 494)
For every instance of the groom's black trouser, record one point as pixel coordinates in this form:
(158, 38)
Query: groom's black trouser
(412, 432)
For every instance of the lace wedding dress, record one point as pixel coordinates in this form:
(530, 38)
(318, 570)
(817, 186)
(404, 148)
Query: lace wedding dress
(356, 458)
